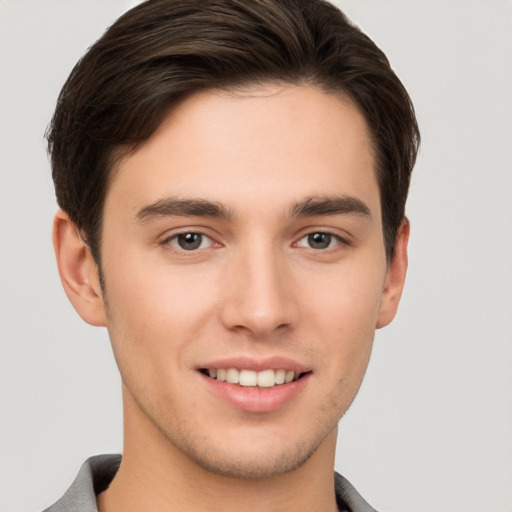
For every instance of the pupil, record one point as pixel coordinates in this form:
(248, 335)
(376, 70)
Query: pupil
(189, 241)
(319, 240)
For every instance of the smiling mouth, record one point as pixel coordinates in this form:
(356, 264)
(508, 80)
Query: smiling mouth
(250, 378)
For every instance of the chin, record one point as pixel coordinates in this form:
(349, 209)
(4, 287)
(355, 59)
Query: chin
(255, 460)
(252, 467)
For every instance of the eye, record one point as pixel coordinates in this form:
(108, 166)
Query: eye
(190, 241)
(319, 240)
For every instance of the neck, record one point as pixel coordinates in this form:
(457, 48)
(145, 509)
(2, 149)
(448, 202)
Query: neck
(155, 475)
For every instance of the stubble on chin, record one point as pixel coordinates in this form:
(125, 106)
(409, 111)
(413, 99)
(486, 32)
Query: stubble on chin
(250, 464)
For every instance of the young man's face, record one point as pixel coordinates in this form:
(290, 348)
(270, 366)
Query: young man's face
(245, 238)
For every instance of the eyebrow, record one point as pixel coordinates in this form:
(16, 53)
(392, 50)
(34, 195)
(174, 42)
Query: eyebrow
(183, 208)
(337, 205)
(309, 207)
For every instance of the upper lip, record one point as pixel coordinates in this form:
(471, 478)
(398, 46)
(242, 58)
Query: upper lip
(258, 365)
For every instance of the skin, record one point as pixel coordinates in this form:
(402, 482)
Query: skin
(254, 288)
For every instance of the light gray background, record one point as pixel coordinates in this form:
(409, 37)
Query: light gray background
(431, 429)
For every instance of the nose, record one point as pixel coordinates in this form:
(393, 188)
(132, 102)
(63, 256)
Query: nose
(259, 298)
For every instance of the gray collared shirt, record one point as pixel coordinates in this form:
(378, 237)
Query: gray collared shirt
(97, 472)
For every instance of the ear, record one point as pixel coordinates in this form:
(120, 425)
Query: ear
(78, 271)
(395, 279)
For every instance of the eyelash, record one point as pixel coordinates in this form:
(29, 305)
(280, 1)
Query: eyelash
(339, 241)
(174, 238)
(332, 237)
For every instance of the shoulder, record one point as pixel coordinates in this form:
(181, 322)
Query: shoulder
(348, 498)
(94, 477)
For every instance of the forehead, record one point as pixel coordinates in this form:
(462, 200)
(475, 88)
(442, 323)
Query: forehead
(270, 144)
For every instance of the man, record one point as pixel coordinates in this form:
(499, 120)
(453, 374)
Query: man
(232, 178)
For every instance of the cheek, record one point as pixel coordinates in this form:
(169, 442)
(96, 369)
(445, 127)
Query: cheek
(345, 308)
(347, 298)
(156, 313)
(154, 292)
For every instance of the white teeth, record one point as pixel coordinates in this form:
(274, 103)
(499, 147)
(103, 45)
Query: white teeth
(280, 376)
(267, 378)
(250, 378)
(232, 376)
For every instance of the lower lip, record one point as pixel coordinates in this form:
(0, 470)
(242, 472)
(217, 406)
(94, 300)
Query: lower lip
(252, 399)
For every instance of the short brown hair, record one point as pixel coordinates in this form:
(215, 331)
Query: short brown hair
(162, 51)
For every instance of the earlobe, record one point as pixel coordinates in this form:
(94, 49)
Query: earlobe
(78, 271)
(395, 278)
